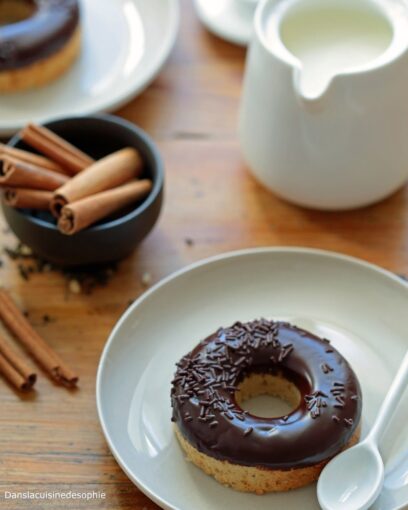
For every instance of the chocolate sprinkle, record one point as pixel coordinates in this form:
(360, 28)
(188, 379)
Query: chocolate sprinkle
(315, 402)
(326, 368)
(315, 413)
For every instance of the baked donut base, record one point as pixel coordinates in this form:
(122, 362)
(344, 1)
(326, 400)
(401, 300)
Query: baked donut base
(257, 480)
(44, 71)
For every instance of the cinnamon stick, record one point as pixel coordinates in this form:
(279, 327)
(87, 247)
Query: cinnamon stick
(20, 174)
(12, 375)
(56, 148)
(21, 198)
(19, 365)
(107, 173)
(31, 340)
(79, 215)
(32, 159)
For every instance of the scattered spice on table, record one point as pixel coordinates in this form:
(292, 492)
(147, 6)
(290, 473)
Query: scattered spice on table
(81, 280)
(146, 279)
(46, 319)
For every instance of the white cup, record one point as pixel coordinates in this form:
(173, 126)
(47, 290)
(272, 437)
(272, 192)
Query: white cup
(347, 145)
(252, 4)
(246, 8)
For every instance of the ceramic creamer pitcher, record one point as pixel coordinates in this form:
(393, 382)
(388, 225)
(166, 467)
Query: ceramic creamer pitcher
(324, 114)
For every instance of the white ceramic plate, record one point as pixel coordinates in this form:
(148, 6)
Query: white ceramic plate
(359, 306)
(125, 44)
(228, 19)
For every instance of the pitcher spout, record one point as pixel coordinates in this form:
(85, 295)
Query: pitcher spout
(311, 98)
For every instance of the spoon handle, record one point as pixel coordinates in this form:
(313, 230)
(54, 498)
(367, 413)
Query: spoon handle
(390, 403)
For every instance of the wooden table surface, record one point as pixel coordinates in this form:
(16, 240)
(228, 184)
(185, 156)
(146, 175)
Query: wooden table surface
(52, 440)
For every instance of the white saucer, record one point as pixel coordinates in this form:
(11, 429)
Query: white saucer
(359, 306)
(227, 19)
(125, 44)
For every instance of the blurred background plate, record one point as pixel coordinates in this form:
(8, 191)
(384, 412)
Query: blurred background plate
(231, 20)
(125, 45)
(360, 307)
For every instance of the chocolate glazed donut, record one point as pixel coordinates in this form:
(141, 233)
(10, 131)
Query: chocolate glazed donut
(232, 365)
(32, 32)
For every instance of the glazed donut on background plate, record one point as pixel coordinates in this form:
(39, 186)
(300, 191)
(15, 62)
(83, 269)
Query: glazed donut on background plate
(254, 454)
(39, 41)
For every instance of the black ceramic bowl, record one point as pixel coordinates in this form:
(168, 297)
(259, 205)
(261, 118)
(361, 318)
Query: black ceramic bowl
(111, 239)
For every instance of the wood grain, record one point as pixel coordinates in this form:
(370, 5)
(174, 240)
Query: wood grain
(52, 440)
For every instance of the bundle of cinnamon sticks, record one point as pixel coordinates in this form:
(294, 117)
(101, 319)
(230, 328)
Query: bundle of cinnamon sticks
(78, 190)
(12, 366)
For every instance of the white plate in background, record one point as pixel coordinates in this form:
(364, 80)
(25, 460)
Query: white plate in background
(125, 45)
(360, 307)
(231, 20)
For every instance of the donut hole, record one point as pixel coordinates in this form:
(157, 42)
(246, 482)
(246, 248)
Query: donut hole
(267, 395)
(14, 11)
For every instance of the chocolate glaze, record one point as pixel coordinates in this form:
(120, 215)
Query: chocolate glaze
(207, 414)
(43, 34)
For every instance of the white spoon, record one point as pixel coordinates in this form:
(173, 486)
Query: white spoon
(353, 480)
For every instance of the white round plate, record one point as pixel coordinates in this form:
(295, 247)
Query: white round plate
(360, 307)
(228, 19)
(125, 44)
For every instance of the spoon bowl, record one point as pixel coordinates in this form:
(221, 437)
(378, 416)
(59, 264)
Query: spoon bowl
(353, 480)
